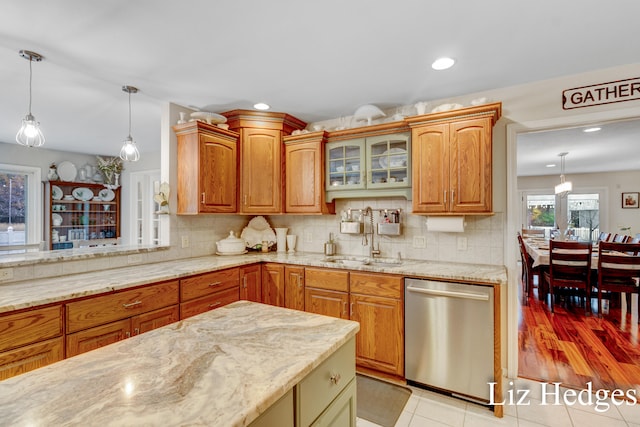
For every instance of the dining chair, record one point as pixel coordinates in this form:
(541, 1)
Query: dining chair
(533, 232)
(528, 272)
(569, 268)
(619, 238)
(604, 237)
(618, 269)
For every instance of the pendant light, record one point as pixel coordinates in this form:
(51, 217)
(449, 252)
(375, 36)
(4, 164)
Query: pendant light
(30, 134)
(129, 151)
(564, 187)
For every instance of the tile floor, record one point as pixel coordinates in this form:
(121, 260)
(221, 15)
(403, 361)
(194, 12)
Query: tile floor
(426, 408)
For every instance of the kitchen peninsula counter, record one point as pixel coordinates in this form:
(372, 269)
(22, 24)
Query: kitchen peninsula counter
(36, 292)
(221, 368)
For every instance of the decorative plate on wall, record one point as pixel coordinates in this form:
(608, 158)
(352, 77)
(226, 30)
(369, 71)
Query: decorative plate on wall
(67, 171)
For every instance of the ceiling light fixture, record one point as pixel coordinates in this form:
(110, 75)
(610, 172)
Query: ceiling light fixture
(442, 63)
(551, 165)
(30, 134)
(564, 187)
(589, 130)
(129, 151)
(261, 106)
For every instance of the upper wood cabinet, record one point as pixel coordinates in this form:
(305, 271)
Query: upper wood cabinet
(452, 160)
(305, 174)
(261, 158)
(207, 169)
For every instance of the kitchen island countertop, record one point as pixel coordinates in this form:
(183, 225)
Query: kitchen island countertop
(36, 292)
(221, 368)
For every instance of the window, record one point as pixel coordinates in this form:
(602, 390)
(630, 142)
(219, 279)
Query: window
(146, 222)
(20, 212)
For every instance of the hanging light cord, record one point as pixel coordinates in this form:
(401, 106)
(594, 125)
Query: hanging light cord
(30, 79)
(129, 114)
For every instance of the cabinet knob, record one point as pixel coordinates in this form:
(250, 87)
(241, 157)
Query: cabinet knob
(335, 378)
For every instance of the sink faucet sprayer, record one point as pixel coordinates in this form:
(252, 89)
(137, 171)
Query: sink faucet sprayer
(372, 252)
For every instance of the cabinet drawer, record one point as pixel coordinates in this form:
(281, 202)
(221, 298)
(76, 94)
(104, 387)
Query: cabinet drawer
(108, 308)
(205, 284)
(317, 390)
(383, 285)
(30, 357)
(322, 278)
(154, 319)
(30, 326)
(209, 302)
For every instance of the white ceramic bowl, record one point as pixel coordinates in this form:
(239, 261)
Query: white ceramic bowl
(231, 244)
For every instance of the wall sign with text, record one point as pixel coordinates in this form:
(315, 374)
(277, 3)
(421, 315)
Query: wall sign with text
(601, 93)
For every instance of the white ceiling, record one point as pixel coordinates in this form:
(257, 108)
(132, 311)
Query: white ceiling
(316, 60)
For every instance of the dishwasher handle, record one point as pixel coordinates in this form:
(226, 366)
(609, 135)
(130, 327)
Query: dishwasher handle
(453, 294)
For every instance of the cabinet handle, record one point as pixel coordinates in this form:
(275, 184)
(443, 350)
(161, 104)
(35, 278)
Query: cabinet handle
(452, 198)
(127, 334)
(344, 308)
(244, 282)
(445, 197)
(136, 331)
(351, 310)
(215, 304)
(335, 378)
(214, 284)
(299, 281)
(132, 304)
(244, 200)
(202, 201)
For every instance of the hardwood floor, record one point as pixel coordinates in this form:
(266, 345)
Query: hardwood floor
(574, 349)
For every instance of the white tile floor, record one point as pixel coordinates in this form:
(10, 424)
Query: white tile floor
(426, 408)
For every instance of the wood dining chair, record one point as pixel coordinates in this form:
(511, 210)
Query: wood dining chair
(604, 237)
(569, 268)
(532, 232)
(528, 273)
(620, 238)
(618, 269)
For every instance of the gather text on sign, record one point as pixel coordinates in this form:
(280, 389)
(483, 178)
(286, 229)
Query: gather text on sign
(602, 93)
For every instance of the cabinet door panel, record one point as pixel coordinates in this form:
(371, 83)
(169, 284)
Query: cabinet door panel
(379, 343)
(430, 168)
(303, 178)
(329, 303)
(30, 357)
(261, 179)
(471, 165)
(91, 339)
(294, 287)
(154, 319)
(251, 283)
(273, 284)
(30, 326)
(218, 174)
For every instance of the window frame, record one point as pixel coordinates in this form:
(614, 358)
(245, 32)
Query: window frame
(34, 211)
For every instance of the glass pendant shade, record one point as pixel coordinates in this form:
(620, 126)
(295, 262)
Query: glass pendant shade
(129, 151)
(30, 134)
(565, 187)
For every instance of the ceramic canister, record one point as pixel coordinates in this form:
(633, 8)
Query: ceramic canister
(281, 239)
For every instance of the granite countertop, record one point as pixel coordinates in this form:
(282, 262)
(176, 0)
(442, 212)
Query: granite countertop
(32, 293)
(220, 368)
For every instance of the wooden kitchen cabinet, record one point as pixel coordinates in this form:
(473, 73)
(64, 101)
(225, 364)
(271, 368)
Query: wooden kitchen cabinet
(105, 319)
(251, 283)
(376, 302)
(261, 158)
(294, 287)
(452, 160)
(207, 169)
(305, 174)
(273, 284)
(208, 291)
(327, 292)
(81, 214)
(30, 339)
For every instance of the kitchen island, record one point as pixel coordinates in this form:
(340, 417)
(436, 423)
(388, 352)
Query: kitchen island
(224, 367)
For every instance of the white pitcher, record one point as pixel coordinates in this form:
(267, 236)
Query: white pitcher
(281, 239)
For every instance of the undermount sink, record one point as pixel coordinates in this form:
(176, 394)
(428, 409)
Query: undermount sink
(358, 261)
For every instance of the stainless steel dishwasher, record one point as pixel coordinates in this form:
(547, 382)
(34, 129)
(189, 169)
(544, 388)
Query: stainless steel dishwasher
(449, 337)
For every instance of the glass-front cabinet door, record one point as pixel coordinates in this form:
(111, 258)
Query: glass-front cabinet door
(345, 165)
(388, 161)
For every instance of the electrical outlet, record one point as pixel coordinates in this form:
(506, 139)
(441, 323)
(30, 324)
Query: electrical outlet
(308, 237)
(185, 242)
(6, 274)
(419, 242)
(462, 243)
(134, 259)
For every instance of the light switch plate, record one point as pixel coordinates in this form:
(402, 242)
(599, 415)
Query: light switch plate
(308, 237)
(419, 242)
(462, 243)
(185, 242)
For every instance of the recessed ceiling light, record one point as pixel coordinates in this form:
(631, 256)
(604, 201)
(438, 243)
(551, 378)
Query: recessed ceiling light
(551, 165)
(442, 63)
(261, 106)
(595, 129)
